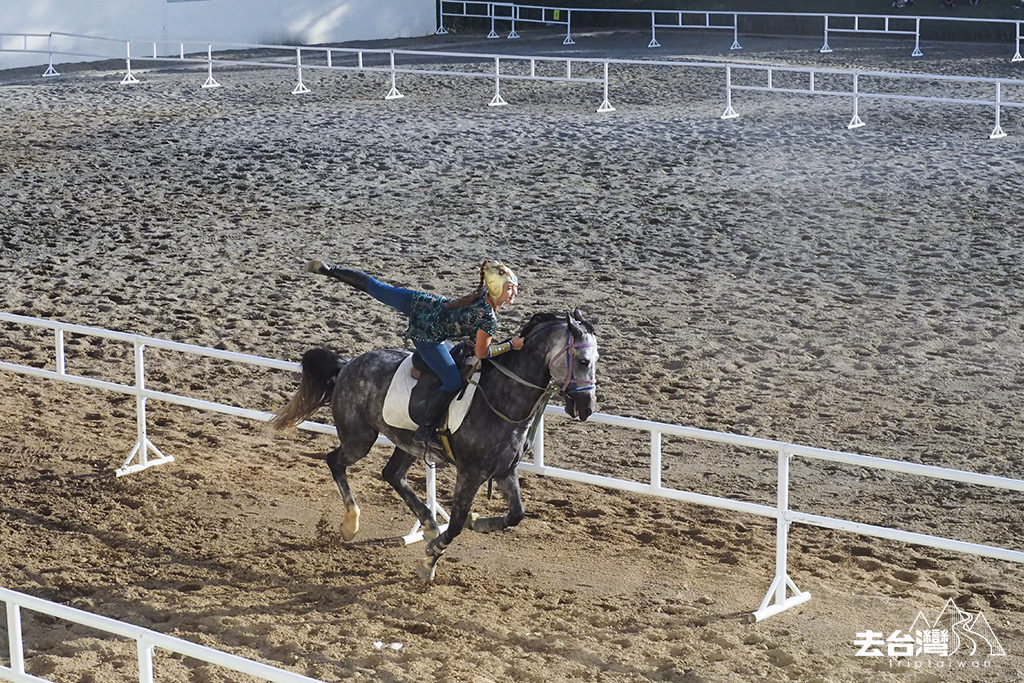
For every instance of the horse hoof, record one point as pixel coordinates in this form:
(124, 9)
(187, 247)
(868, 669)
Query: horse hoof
(471, 522)
(350, 527)
(425, 568)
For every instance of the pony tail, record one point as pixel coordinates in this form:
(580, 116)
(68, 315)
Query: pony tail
(467, 299)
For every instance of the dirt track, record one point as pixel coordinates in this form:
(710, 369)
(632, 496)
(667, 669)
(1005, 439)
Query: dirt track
(777, 276)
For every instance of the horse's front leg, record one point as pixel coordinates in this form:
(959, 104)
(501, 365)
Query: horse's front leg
(395, 473)
(509, 488)
(466, 486)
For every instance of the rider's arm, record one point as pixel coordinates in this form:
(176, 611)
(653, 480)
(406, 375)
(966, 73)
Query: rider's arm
(485, 349)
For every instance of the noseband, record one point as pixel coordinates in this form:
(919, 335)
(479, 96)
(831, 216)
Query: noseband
(570, 353)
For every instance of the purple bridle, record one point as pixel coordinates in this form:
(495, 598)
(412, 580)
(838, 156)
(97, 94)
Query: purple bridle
(570, 353)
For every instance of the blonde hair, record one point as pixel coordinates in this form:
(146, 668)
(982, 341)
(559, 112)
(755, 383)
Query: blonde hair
(492, 275)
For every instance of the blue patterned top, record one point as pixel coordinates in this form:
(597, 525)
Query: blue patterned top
(431, 322)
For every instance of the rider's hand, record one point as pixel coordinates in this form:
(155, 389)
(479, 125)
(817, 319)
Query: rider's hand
(517, 343)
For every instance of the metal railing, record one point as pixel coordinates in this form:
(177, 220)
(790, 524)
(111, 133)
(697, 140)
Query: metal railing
(527, 68)
(865, 24)
(776, 600)
(147, 642)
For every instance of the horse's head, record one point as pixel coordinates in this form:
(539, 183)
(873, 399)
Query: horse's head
(572, 360)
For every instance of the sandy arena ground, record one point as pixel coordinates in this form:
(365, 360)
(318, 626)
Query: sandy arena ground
(776, 275)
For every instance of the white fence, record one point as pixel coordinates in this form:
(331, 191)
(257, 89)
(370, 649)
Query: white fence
(146, 641)
(865, 24)
(497, 67)
(778, 597)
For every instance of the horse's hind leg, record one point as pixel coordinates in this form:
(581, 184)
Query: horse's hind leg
(349, 452)
(466, 486)
(509, 487)
(395, 474)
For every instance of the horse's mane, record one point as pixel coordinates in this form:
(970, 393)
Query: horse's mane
(539, 319)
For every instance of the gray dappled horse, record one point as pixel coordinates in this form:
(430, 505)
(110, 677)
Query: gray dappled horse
(559, 355)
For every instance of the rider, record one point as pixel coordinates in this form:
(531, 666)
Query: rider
(434, 319)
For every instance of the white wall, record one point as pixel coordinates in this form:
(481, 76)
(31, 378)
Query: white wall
(288, 22)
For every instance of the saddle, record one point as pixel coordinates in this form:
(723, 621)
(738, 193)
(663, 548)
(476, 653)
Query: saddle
(414, 382)
(460, 353)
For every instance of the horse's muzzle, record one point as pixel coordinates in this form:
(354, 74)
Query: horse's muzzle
(580, 406)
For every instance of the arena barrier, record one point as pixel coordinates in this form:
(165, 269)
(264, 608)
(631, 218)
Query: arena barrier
(778, 597)
(532, 68)
(147, 641)
(865, 24)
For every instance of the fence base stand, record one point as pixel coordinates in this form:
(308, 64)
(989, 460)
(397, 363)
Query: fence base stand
(917, 52)
(50, 71)
(997, 133)
(300, 89)
(605, 107)
(825, 49)
(855, 122)
(416, 535)
(142, 449)
(497, 101)
(129, 79)
(212, 83)
(730, 113)
(393, 94)
(441, 31)
(766, 610)
(653, 43)
(1016, 58)
(493, 34)
(512, 34)
(569, 41)
(735, 45)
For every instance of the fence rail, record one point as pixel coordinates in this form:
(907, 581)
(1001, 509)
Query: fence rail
(593, 71)
(147, 642)
(867, 24)
(778, 597)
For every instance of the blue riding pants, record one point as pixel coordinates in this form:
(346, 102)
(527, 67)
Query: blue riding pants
(435, 354)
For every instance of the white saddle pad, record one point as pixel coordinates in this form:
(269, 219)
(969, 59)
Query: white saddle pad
(396, 402)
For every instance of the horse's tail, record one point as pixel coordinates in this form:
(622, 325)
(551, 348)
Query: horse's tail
(320, 367)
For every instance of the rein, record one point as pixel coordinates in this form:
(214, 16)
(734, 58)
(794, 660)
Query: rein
(546, 393)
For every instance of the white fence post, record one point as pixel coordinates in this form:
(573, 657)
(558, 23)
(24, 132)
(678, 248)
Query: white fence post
(145, 650)
(735, 33)
(825, 49)
(997, 132)
(300, 87)
(142, 443)
(393, 94)
(781, 583)
(606, 106)
(656, 459)
(855, 122)
(128, 77)
(58, 336)
(50, 71)
(15, 646)
(497, 101)
(538, 443)
(568, 28)
(1016, 55)
(729, 112)
(210, 81)
(654, 41)
(917, 39)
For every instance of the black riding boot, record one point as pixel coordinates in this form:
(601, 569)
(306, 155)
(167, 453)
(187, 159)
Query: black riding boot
(433, 415)
(350, 277)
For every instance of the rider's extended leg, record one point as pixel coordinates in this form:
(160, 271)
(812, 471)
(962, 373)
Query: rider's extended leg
(439, 358)
(399, 299)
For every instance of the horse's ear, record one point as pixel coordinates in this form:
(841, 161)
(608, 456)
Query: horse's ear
(578, 315)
